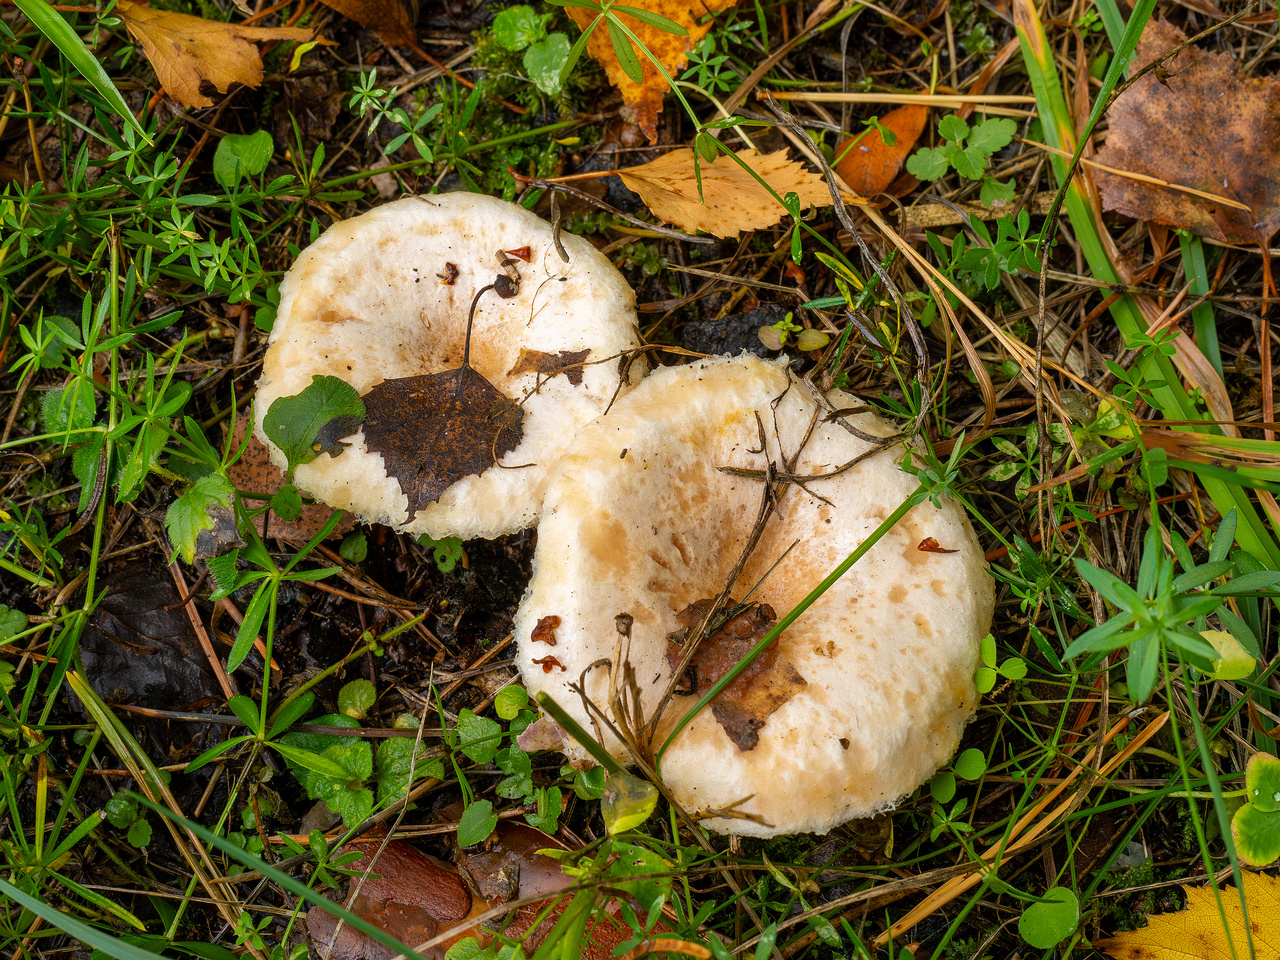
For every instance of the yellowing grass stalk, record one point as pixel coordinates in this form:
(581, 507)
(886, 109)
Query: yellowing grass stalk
(1027, 830)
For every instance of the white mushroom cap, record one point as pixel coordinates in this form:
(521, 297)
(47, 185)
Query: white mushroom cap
(640, 519)
(368, 302)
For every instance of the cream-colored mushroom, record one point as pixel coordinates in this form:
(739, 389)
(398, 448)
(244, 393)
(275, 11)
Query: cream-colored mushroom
(870, 687)
(386, 295)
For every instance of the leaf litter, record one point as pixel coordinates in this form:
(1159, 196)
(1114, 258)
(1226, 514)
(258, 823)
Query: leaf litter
(867, 164)
(769, 681)
(188, 52)
(1199, 123)
(644, 99)
(436, 428)
(732, 199)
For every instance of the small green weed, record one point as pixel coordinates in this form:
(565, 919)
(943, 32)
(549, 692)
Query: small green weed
(967, 151)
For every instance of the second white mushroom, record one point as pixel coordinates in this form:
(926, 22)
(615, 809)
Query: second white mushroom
(866, 693)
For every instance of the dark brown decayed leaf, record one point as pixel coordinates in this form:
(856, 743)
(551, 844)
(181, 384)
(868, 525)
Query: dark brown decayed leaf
(433, 430)
(770, 681)
(568, 362)
(387, 18)
(1210, 129)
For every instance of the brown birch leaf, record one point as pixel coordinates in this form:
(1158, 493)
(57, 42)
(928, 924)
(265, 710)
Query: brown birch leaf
(1207, 127)
(734, 200)
(745, 705)
(187, 51)
(432, 430)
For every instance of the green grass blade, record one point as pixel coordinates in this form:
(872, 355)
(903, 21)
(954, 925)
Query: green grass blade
(1197, 272)
(76, 929)
(60, 33)
(295, 887)
(1059, 131)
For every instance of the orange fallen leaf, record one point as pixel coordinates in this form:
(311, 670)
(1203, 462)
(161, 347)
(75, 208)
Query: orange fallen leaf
(734, 200)
(644, 100)
(1209, 128)
(1199, 931)
(389, 19)
(870, 165)
(187, 51)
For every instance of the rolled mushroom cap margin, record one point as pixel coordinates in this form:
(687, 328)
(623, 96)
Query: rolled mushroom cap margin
(640, 519)
(371, 300)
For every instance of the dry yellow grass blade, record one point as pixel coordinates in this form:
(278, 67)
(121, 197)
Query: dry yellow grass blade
(1143, 178)
(733, 200)
(1027, 830)
(149, 782)
(187, 51)
(1200, 930)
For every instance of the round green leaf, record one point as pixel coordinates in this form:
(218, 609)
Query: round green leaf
(479, 737)
(314, 421)
(241, 155)
(971, 764)
(1052, 920)
(1262, 781)
(354, 547)
(1015, 668)
(943, 787)
(356, 697)
(139, 834)
(509, 701)
(476, 823)
(1256, 834)
(121, 810)
(1234, 661)
(984, 678)
(987, 645)
(286, 502)
(544, 60)
(517, 27)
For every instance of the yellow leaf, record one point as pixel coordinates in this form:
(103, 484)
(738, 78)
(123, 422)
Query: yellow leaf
(1198, 931)
(1234, 661)
(300, 51)
(644, 100)
(735, 201)
(187, 51)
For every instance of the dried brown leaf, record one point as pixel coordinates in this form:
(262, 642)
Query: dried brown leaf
(644, 100)
(744, 706)
(432, 430)
(187, 51)
(387, 18)
(1207, 127)
(734, 200)
(568, 362)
